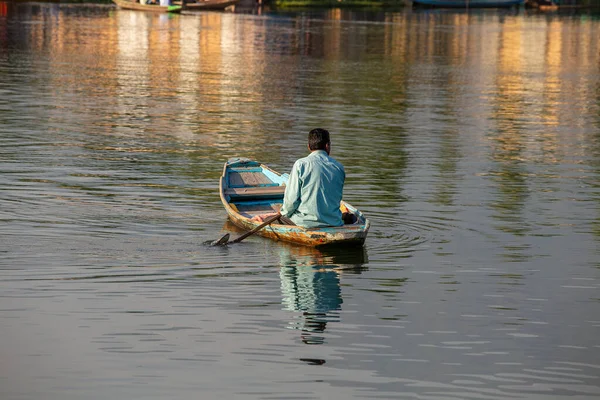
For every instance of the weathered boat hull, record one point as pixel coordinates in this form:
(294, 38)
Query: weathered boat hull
(468, 3)
(261, 191)
(132, 5)
(210, 5)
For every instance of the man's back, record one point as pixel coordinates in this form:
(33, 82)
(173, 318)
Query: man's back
(314, 191)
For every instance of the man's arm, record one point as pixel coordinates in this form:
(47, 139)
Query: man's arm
(291, 199)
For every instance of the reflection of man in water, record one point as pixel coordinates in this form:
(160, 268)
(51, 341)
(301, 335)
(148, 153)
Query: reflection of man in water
(310, 283)
(315, 291)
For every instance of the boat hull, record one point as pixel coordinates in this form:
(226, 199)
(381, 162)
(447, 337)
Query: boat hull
(263, 193)
(469, 3)
(132, 5)
(210, 5)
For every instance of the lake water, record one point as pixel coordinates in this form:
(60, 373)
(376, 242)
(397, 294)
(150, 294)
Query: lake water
(471, 141)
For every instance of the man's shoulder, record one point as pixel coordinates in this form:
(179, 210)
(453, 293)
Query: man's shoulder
(301, 162)
(335, 162)
(315, 159)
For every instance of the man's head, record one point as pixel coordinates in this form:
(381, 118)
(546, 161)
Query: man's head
(318, 139)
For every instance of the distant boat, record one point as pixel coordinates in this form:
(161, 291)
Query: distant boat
(249, 188)
(549, 7)
(209, 4)
(542, 5)
(469, 3)
(134, 5)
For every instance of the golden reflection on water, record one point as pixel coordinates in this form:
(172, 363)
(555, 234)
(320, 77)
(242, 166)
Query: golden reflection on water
(217, 85)
(209, 65)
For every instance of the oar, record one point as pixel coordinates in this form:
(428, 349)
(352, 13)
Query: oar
(225, 239)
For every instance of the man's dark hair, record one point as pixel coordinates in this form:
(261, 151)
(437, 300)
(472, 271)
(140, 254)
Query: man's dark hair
(317, 139)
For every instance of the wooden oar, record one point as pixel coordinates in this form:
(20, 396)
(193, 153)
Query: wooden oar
(225, 239)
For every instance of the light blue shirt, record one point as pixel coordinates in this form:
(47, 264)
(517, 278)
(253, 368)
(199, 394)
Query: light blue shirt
(314, 191)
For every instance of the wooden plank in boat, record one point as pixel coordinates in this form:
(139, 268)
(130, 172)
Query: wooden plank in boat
(250, 210)
(240, 179)
(260, 191)
(249, 178)
(255, 179)
(235, 179)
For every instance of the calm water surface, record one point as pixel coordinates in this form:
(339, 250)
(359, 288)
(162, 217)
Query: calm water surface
(471, 141)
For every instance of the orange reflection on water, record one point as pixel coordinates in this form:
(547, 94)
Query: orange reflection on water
(217, 75)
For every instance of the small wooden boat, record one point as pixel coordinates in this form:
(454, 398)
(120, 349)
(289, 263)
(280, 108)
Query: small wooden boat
(549, 7)
(209, 4)
(134, 5)
(468, 3)
(249, 188)
(541, 5)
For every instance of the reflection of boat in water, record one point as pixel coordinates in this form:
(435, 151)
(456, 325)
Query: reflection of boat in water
(249, 188)
(310, 285)
(344, 259)
(316, 293)
(468, 3)
(135, 5)
(347, 260)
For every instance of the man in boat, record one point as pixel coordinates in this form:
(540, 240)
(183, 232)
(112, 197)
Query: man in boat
(314, 190)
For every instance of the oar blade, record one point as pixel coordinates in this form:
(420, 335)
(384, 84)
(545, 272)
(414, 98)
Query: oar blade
(225, 239)
(222, 241)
